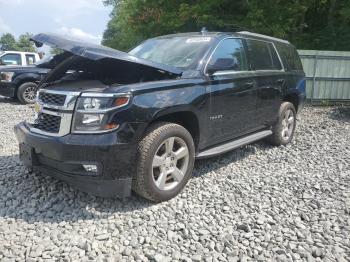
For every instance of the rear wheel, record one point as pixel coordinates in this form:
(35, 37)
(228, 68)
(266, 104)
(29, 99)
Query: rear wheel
(283, 131)
(26, 93)
(165, 162)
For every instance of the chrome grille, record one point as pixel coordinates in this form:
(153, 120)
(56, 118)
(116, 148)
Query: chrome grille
(52, 99)
(48, 123)
(54, 112)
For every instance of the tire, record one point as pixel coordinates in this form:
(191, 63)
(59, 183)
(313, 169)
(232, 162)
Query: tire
(26, 93)
(154, 157)
(280, 134)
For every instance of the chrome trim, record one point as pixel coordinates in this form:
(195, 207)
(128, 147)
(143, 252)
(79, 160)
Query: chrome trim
(93, 95)
(68, 104)
(95, 132)
(40, 132)
(231, 72)
(66, 117)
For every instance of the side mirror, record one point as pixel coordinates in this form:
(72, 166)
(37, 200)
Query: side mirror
(1, 62)
(223, 64)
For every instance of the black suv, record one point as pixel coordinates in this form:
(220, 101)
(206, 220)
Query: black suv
(137, 121)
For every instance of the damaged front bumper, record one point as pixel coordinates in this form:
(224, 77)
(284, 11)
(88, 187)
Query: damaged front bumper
(95, 164)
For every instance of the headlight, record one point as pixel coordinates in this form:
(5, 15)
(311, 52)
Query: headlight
(93, 112)
(6, 76)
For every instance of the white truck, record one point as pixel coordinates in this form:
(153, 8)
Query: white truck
(14, 58)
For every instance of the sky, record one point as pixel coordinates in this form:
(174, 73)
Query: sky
(79, 19)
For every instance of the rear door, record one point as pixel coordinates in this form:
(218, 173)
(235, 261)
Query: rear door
(30, 59)
(232, 92)
(270, 78)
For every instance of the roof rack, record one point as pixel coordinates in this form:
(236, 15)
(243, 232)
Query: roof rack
(263, 36)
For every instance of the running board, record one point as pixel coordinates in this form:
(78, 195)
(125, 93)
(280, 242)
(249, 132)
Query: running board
(234, 144)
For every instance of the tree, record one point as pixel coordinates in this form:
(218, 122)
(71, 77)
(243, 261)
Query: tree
(24, 44)
(8, 42)
(309, 24)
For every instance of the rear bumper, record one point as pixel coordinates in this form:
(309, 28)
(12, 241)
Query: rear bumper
(64, 157)
(7, 89)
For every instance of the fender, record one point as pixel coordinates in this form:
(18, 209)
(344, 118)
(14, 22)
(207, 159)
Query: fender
(32, 77)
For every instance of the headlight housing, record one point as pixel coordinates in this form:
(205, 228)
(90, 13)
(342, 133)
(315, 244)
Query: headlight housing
(93, 112)
(6, 76)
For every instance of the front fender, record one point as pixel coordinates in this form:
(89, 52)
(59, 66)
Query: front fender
(169, 101)
(31, 77)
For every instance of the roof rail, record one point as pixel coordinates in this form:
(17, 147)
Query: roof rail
(263, 36)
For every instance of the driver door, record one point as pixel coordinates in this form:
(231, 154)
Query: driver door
(233, 92)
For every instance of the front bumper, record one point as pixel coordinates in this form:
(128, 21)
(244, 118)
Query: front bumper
(63, 157)
(7, 89)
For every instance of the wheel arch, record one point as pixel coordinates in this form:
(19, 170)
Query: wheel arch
(292, 98)
(184, 117)
(25, 79)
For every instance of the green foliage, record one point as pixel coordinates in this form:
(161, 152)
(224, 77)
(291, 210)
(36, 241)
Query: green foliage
(309, 24)
(56, 51)
(8, 42)
(24, 44)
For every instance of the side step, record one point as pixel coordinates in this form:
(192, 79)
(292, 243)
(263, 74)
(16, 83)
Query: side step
(234, 144)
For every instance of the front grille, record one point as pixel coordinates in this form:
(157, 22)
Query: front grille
(52, 99)
(48, 123)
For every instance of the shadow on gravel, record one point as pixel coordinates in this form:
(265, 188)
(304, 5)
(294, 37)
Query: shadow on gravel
(340, 114)
(33, 197)
(9, 100)
(204, 166)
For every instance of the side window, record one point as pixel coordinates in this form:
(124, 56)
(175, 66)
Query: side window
(290, 57)
(30, 59)
(263, 55)
(229, 56)
(12, 59)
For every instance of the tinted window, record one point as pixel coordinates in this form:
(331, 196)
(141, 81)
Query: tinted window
(11, 59)
(30, 59)
(230, 55)
(263, 56)
(290, 57)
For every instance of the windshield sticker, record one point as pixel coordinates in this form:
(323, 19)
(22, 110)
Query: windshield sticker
(198, 40)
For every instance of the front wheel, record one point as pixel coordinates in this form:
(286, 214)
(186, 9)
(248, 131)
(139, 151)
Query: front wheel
(26, 93)
(165, 162)
(283, 130)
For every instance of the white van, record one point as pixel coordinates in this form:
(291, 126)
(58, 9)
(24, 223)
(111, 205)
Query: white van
(18, 58)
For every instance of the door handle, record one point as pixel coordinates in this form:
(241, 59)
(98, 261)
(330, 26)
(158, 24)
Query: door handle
(280, 81)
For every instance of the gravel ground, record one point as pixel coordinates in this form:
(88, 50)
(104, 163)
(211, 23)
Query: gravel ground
(257, 203)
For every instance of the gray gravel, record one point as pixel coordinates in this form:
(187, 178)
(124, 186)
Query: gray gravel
(254, 204)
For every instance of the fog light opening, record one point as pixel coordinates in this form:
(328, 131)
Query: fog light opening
(90, 168)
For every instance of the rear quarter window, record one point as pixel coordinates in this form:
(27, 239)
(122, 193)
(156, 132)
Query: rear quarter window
(290, 57)
(263, 55)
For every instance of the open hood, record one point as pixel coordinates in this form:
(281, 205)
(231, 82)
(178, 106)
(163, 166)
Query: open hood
(99, 53)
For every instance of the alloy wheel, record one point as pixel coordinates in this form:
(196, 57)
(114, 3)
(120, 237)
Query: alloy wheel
(29, 93)
(170, 163)
(287, 124)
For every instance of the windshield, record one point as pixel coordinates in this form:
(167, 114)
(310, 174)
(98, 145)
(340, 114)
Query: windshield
(181, 52)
